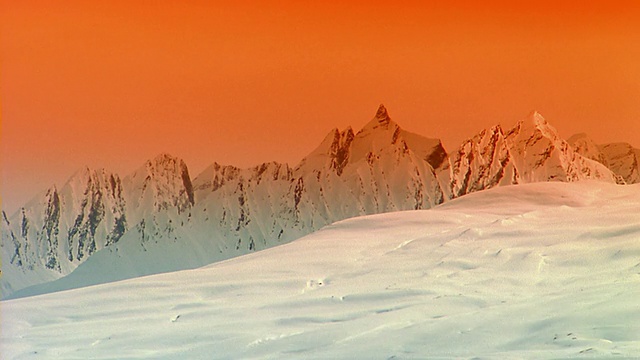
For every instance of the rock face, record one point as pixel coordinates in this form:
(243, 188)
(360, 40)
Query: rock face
(162, 183)
(541, 155)
(483, 162)
(586, 147)
(621, 158)
(98, 228)
(60, 229)
(531, 151)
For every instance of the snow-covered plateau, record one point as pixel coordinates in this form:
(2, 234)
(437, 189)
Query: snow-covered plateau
(532, 271)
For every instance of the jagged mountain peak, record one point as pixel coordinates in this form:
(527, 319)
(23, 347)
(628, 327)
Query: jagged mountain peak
(542, 155)
(86, 175)
(93, 187)
(380, 134)
(381, 121)
(533, 120)
(624, 160)
(334, 138)
(541, 124)
(333, 152)
(534, 123)
(578, 136)
(536, 117)
(382, 114)
(481, 162)
(165, 160)
(347, 130)
(163, 164)
(586, 147)
(164, 182)
(215, 176)
(272, 170)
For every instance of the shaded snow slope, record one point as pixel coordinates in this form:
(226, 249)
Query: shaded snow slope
(546, 270)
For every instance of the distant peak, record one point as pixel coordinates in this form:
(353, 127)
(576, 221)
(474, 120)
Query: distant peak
(83, 175)
(532, 123)
(164, 157)
(536, 117)
(577, 137)
(381, 122)
(382, 115)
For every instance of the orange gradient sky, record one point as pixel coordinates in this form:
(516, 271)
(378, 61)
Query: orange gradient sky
(113, 83)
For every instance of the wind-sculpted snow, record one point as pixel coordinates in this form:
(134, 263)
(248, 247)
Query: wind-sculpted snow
(98, 228)
(534, 271)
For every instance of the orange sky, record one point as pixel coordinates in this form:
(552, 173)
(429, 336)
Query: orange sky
(111, 84)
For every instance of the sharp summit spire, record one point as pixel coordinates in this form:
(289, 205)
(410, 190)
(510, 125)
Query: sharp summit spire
(382, 115)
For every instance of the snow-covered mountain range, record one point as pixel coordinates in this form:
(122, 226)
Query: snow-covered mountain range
(99, 227)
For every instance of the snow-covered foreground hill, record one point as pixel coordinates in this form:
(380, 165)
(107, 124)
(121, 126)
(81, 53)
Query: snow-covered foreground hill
(545, 270)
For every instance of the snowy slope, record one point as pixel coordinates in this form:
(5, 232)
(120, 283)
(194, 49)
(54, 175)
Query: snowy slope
(546, 270)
